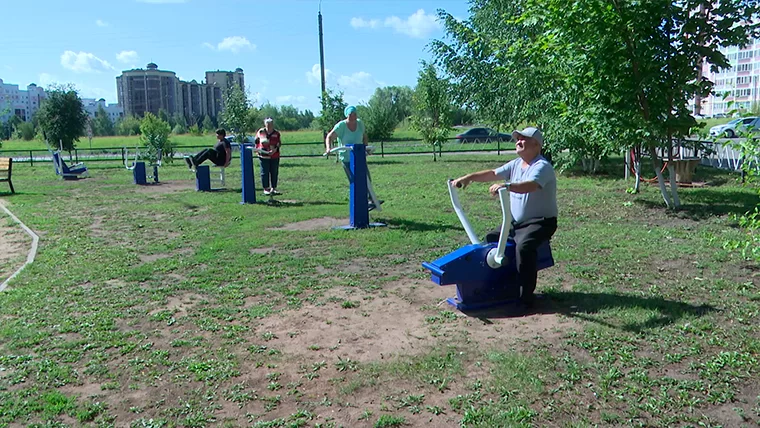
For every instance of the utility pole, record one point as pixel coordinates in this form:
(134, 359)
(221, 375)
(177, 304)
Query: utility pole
(321, 58)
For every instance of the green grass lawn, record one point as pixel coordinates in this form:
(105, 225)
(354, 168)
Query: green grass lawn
(288, 137)
(295, 144)
(159, 306)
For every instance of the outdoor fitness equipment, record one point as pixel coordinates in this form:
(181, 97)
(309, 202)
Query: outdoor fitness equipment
(203, 174)
(359, 188)
(484, 273)
(67, 172)
(139, 174)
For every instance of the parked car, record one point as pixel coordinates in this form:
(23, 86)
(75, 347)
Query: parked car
(732, 128)
(482, 135)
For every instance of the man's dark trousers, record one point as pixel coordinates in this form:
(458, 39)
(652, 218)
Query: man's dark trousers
(528, 235)
(209, 154)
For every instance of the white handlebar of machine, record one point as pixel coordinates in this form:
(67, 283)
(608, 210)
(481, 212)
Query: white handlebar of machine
(495, 257)
(458, 209)
(369, 150)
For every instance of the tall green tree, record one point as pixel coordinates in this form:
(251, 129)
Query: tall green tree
(25, 131)
(208, 125)
(557, 64)
(646, 71)
(164, 115)
(387, 107)
(235, 115)
(128, 126)
(154, 136)
(62, 117)
(432, 107)
(179, 119)
(102, 125)
(333, 107)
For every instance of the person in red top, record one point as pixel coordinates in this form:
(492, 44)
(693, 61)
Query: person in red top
(268, 148)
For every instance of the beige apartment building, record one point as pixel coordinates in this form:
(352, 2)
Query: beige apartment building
(150, 90)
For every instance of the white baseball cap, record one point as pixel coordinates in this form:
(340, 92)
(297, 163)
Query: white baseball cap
(269, 119)
(530, 132)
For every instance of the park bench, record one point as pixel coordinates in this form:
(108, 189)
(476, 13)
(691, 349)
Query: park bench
(6, 170)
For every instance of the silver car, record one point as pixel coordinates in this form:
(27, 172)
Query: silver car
(732, 128)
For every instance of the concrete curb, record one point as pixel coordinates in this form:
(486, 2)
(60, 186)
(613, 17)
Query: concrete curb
(32, 251)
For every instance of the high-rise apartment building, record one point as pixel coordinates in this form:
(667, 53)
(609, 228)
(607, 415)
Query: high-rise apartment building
(113, 111)
(151, 90)
(19, 102)
(736, 88)
(217, 82)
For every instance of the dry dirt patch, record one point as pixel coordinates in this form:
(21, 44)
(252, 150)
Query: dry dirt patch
(178, 305)
(14, 245)
(403, 321)
(167, 187)
(314, 224)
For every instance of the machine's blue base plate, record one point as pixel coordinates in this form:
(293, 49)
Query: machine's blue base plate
(349, 227)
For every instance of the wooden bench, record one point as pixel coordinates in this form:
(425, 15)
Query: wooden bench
(6, 170)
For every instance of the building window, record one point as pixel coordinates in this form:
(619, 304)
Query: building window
(745, 54)
(744, 67)
(742, 92)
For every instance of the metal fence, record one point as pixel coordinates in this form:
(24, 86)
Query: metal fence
(291, 150)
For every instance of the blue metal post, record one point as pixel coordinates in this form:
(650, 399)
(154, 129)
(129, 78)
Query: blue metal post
(248, 184)
(202, 178)
(138, 174)
(358, 210)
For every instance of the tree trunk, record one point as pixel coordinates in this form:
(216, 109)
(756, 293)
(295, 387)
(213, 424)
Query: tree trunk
(434, 159)
(597, 162)
(674, 186)
(637, 169)
(660, 179)
(637, 185)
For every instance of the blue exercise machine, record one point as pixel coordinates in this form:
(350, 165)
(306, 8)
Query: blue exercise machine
(484, 273)
(139, 170)
(360, 188)
(248, 182)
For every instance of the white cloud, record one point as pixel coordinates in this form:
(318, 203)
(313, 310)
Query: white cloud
(315, 76)
(84, 62)
(419, 24)
(101, 23)
(163, 1)
(233, 44)
(84, 90)
(46, 79)
(362, 23)
(358, 80)
(290, 99)
(127, 57)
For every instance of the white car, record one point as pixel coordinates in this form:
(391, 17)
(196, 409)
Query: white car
(732, 128)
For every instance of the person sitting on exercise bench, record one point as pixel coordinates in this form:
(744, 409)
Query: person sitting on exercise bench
(219, 155)
(532, 184)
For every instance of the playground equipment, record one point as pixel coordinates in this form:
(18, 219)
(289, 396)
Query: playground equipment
(73, 172)
(484, 273)
(203, 174)
(139, 174)
(359, 188)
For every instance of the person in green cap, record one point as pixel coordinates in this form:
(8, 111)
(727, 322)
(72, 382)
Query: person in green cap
(349, 131)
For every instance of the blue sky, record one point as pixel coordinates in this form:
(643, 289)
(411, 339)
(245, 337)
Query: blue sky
(368, 43)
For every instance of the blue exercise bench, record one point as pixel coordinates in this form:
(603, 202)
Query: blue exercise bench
(484, 273)
(66, 172)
